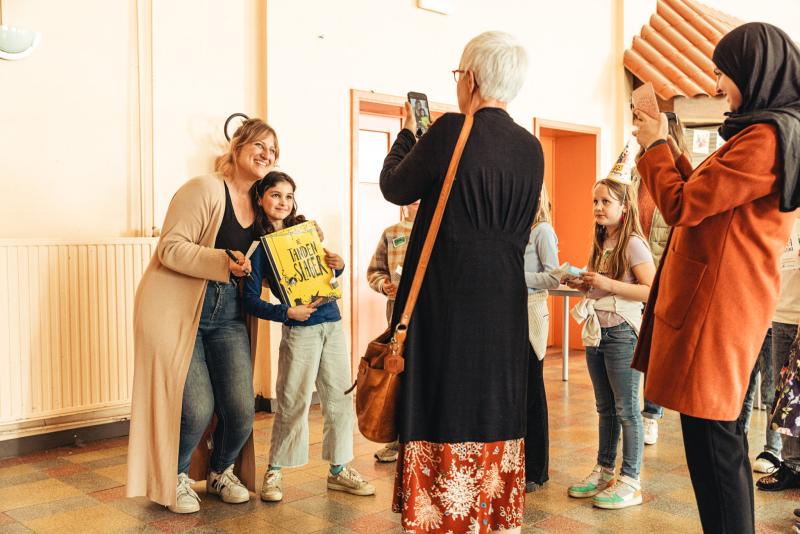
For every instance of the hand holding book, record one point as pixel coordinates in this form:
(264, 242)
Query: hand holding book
(333, 260)
(303, 311)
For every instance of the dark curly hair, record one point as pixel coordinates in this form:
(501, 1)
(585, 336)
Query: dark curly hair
(262, 223)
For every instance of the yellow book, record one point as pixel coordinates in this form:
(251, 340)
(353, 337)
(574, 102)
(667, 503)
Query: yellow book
(297, 261)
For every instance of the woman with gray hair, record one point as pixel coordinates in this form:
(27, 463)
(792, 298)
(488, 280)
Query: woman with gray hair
(462, 410)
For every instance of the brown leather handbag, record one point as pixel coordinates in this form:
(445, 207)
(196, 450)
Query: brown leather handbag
(379, 371)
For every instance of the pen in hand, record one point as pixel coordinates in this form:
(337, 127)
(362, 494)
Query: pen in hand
(233, 258)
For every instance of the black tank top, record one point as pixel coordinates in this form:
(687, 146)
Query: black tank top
(231, 234)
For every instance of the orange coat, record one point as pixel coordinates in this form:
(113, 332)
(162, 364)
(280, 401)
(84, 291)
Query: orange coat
(718, 281)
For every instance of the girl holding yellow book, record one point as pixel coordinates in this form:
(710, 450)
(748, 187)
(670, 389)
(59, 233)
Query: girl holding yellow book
(312, 351)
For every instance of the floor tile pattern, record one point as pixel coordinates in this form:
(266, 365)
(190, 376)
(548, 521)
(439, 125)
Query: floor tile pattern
(82, 490)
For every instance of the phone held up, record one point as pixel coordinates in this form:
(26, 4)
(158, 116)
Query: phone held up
(422, 113)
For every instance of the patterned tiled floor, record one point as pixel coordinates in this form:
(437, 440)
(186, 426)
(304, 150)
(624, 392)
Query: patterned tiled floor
(81, 489)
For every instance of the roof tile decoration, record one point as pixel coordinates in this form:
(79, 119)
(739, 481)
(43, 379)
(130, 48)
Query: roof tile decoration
(674, 49)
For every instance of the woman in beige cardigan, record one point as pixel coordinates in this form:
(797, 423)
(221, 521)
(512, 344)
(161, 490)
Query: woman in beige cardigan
(192, 351)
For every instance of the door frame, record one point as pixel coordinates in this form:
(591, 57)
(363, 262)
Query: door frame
(540, 124)
(387, 105)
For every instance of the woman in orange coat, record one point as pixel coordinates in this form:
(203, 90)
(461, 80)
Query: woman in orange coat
(718, 281)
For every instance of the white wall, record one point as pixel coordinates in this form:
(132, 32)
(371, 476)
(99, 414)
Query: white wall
(207, 64)
(71, 161)
(393, 47)
(65, 121)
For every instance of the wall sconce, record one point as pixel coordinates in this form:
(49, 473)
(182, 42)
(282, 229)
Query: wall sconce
(16, 43)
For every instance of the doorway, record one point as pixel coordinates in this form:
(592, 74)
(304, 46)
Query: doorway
(375, 122)
(571, 167)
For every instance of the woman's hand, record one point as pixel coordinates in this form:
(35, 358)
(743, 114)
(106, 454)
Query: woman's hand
(241, 267)
(649, 129)
(319, 231)
(597, 281)
(333, 260)
(575, 283)
(302, 312)
(410, 122)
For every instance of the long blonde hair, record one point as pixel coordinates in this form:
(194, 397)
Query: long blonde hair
(250, 131)
(629, 226)
(543, 211)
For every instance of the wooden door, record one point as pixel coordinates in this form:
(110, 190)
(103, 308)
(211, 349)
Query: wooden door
(372, 214)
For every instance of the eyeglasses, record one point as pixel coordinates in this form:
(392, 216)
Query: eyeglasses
(457, 74)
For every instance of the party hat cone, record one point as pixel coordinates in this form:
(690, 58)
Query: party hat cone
(621, 171)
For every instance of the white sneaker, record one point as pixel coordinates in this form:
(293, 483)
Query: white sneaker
(766, 462)
(227, 486)
(188, 502)
(626, 492)
(272, 488)
(650, 431)
(350, 480)
(599, 479)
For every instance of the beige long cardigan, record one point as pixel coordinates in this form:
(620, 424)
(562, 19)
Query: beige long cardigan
(167, 310)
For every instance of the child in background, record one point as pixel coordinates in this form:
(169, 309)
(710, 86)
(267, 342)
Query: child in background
(312, 351)
(541, 258)
(383, 276)
(618, 280)
(383, 273)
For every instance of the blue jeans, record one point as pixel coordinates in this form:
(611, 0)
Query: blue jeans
(651, 409)
(763, 364)
(220, 380)
(616, 392)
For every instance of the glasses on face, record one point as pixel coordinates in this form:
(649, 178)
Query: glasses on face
(457, 73)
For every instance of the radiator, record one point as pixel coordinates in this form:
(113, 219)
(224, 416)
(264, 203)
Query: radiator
(66, 331)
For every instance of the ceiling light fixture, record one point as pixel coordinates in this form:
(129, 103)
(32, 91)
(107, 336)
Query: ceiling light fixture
(16, 43)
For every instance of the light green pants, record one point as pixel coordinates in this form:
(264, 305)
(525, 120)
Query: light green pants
(310, 355)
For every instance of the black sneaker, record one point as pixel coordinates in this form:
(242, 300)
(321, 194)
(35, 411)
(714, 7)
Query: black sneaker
(784, 478)
(531, 487)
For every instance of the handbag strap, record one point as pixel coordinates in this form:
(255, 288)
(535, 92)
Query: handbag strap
(433, 230)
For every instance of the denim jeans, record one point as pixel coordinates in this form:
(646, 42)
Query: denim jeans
(220, 380)
(764, 364)
(616, 392)
(312, 355)
(651, 409)
(782, 337)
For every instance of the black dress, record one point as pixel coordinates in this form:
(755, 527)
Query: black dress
(467, 346)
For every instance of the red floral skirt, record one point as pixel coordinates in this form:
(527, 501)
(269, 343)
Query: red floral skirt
(460, 487)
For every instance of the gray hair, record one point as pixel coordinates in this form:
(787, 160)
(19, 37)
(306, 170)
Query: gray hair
(499, 62)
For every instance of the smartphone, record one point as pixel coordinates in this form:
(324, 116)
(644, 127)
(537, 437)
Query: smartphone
(419, 105)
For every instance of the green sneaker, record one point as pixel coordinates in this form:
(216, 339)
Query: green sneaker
(600, 478)
(626, 492)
